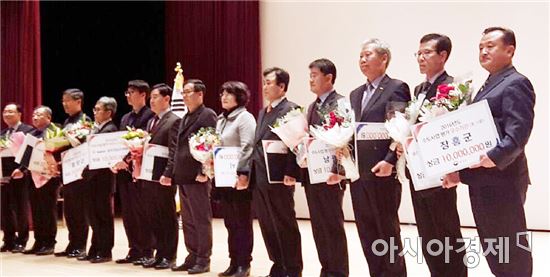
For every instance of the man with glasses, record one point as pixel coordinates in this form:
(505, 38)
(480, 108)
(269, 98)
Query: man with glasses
(435, 209)
(128, 189)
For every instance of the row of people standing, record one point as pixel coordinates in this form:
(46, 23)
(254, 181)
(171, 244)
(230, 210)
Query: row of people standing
(375, 196)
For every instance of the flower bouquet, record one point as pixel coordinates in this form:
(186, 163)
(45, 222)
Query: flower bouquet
(13, 142)
(55, 140)
(78, 132)
(292, 129)
(135, 140)
(449, 97)
(399, 129)
(201, 146)
(337, 130)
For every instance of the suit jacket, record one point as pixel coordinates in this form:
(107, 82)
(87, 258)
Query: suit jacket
(74, 119)
(25, 128)
(182, 167)
(258, 169)
(330, 104)
(444, 78)
(140, 121)
(390, 92)
(165, 133)
(511, 97)
(237, 129)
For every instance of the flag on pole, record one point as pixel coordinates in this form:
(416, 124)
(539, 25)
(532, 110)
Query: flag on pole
(177, 105)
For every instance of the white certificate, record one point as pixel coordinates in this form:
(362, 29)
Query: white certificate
(455, 140)
(275, 152)
(73, 162)
(226, 160)
(321, 159)
(106, 149)
(37, 162)
(416, 168)
(153, 164)
(23, 155)
(371, 131)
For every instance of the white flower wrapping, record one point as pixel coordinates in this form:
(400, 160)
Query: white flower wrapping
(399, 128)
(339, 136)
(201, 147)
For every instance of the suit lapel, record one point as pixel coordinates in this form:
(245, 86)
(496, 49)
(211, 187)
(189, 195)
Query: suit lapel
(191, 121)
(493, 83)
(267, 119)
(377, 94)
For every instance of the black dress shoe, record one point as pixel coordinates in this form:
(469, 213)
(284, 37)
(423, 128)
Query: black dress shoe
(229, 271)
(242, 271)
(128, 259)
(44, 250)
(18, 248)
(198, 269)
(184, 267)
(76, 253)
(151, 262)
(7, 247)
(100, 259)
(164, 264)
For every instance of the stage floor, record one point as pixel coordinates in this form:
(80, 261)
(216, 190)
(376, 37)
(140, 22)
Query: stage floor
(30, 265)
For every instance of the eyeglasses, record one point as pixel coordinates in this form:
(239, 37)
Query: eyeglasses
(97, 110)
(424, 53)
(187, 91)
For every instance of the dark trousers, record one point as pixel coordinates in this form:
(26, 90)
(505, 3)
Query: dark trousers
(100, 212)
(196, 215)
(437, 219)
(44, 212)
(274, 207)
(140, 237)
(14, 213)
(161, 217)
(375, 205)
(327, 221)
(499, 216)
(74, 209)
(237, 217)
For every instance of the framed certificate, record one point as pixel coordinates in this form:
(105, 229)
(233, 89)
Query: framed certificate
(321, 160)
(73, 162)
(106, 149)
(275, 152)
(153, 164)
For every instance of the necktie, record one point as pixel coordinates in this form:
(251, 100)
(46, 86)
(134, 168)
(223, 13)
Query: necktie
(154, 123)
(425, 87)
(366, 97)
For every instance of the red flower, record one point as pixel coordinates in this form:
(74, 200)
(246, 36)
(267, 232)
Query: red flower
(443, 91)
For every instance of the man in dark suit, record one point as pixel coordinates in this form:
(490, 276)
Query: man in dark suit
(435, 209)
(274, 203)
(158, 198)
(376, 196)
(44, 199)
(74, 208)
(130, 191)
(14, 210)
(324, 200)
(100, 188)
(195, 187)
(498, 183)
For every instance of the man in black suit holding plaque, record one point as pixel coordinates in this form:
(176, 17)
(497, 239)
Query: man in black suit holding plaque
(376, 196)
(186, 172)
(14, 210)
(435, 209)
(100, 189)
(325, 199)
(274, 202)
(498, 183)
(158, 198)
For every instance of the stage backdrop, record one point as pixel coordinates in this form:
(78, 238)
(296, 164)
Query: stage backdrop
(296, 33)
